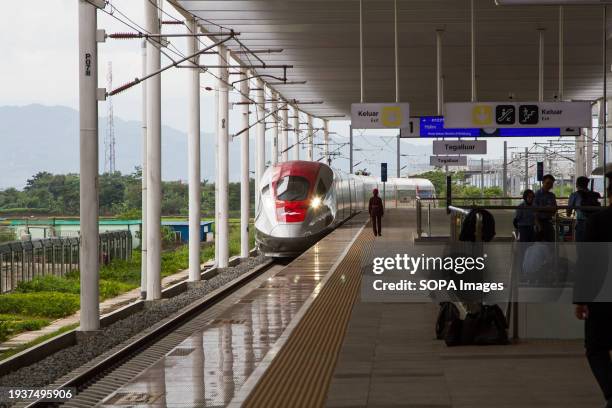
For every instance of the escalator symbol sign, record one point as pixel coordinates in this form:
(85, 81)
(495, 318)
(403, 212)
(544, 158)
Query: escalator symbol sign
(505, 114)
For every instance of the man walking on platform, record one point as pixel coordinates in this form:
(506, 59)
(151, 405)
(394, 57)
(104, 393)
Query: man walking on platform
(582, 197)
(376, 210)
(546, 202)
(598, 315)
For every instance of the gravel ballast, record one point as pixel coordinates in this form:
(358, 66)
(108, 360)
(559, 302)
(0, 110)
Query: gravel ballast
(61, 363)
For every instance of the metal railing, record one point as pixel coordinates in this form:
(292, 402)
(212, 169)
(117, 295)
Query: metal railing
(22, 261)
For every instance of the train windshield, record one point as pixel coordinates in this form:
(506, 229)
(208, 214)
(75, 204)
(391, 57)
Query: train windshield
(292, 188)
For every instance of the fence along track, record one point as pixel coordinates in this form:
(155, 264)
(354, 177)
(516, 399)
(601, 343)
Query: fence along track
(22, 261)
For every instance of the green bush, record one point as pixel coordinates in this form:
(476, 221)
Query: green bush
(11, 324)
(4, 330)
(109, 289)
(123, 271)
(49, 284)
(7, 234)
(44, 304)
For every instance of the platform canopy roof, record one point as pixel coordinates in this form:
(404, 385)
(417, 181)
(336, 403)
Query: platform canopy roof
(320, 38)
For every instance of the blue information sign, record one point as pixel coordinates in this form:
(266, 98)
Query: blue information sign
(433, 126)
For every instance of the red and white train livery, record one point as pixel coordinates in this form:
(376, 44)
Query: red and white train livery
(301, 201)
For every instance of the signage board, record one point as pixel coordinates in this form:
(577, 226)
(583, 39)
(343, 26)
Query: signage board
(444, 147)
(517, 114)
(441, 161)
(380, 115)
(383, 172)
(433, 126)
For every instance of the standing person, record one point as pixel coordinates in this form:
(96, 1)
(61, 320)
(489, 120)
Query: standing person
(546, 202)
(376, 210)
(598, 315)
(582, 197)
(524, 218)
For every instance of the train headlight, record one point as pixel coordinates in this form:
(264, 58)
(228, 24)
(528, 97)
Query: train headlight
(315, 202)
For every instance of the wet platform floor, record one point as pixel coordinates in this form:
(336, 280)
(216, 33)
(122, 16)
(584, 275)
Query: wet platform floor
(212, 364)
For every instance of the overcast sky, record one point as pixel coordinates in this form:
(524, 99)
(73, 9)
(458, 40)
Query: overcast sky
(39, 49)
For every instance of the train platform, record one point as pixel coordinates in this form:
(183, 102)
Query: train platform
(221, 354)
(300, 336)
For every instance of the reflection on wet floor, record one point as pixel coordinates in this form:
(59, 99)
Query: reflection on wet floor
(211, 365)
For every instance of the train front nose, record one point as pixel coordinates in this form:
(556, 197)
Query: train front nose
(287, 240)
(289, 221)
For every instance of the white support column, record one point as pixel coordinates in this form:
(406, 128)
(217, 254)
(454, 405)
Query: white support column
(222, 227)
(274, 116)
(244, 170)
(260, 142)
(284, 144)
(88, 162)
(143, 225)
(153, 25)
(310, 131)
(193, 159)
(296, 131)
(326, 142)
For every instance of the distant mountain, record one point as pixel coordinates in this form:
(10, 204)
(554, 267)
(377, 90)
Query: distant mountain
(37, 138)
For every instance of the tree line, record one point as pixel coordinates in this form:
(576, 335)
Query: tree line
(120, 195)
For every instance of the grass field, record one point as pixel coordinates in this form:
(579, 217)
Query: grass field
(36, 303)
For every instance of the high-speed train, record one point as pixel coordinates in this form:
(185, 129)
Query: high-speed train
(301, 201)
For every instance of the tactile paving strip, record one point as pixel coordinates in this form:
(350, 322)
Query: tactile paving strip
(300, 374)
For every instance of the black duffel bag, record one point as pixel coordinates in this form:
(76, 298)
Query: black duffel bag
(486, 327)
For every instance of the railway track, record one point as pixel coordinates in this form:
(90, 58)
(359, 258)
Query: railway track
(98, 379)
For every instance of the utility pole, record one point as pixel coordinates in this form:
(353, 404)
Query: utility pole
(296, 131)
(109, 143)
(589, 152)
(482, 176)
(274, 107)
(310, 139)
(88, 162)
(526, 168)
(326, 142)
(397, 160)
(505, 170)
(284, 145)
(351, 170)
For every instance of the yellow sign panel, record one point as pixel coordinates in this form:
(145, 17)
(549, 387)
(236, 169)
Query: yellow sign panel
(482, 115)
(392, 116)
